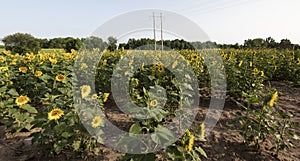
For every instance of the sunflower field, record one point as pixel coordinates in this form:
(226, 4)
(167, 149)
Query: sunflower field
(36, 92)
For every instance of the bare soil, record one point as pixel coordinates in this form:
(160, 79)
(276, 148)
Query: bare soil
(223, 143)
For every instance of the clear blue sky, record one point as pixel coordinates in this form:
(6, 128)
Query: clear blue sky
(225, 21)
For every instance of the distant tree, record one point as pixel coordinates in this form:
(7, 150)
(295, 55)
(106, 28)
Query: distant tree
(72, 43)
(285, 44)
(21, 43)
(59, 43)
(112, 43)
(271, 42)
(255, 43)
(93, 42)
(44, 43)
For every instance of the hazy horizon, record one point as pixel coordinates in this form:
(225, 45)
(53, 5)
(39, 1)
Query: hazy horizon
(224, 21)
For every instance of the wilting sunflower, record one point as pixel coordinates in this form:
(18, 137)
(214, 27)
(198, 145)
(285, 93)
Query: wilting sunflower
(273, 99)
(38, 73)
(97, 121)
(22, 100)
(85, 91)
(60, 77)
(153, 103)
(23, 69)
(189, 147)
(55, 114)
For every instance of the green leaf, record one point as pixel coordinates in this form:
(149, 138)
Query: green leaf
(135, 129)
(201, 151)
(66, 134)
(29, 109)
(13, 92)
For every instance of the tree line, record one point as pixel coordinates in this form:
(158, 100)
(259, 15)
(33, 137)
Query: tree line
(24, 43)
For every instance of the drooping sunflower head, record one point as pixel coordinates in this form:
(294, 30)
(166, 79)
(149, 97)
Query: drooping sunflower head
(22, 100)
(85, 91)
(60, 78)
(55, 114)
(97, 121)
(38, 73)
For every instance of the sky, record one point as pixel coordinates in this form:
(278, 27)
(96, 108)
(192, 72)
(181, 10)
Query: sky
(224, 21)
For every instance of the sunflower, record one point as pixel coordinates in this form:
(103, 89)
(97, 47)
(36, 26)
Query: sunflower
(250, 64)
(55, 114)
(85, 91)
(255, 70)
(53, 61)
(188, 133)
(94, 96)
(160, 68)
(22, 100)
(38, 73)
(105, 97)
(83, 65)
(189, 147)
(143, 67)
(97, 121)
(241, 62)
(153, 103)
(23, 69)
(31, 57)
(60, 77)
(104, 62)
(194, 57)
(262, 73)
(174, 64)
(273, 99)
(2, 59)
(202, 132)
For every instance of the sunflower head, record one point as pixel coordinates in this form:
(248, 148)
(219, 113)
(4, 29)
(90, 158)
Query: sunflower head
(194, 57)
(153, 103)
(38, 73)
(22, 100)
(94, 96)
(2, 59)
(85, 91)
(97, 121)
(55, 114)
(160, 68)
(60, 78)
(23, 69)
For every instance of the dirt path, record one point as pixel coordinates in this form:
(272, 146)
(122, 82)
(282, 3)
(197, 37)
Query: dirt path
(224, 142)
